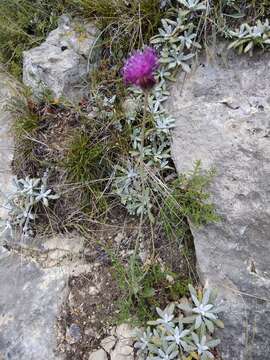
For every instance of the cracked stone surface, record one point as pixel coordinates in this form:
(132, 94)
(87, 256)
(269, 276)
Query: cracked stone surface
(30, 300)
(98, 355)
(222, 118)
(58, 249)
(118, 345)
(63, 62)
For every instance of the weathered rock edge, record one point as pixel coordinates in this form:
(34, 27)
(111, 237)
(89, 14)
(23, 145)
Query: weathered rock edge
(222, 118)
(33, 276)
(62, 63)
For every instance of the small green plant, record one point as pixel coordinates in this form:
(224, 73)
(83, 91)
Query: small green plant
(144, 287)
(176, 335)
(26, 119)
(189, 198)
(248, 37)
(22, 203)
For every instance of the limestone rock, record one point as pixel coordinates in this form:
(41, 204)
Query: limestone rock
(98, 355)
(222, 113)
(8, 89)
(30, 300)
(62, 63)
(123, 349)
(125, 333)
(108, 343)
(122, 352)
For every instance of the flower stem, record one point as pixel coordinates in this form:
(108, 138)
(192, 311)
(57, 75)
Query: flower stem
(142, 140)
(141, 166)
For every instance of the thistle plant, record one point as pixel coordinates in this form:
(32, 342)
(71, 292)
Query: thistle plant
(175, 335)
(139, 70)
(149, 72)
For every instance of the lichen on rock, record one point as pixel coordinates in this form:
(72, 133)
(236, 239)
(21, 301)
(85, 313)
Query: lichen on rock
(63, 62)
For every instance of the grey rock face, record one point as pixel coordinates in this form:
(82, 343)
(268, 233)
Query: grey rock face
(98, 355)
(30, 300)
(62, 63)
(8, 89)
(222, 111)
(33, 289)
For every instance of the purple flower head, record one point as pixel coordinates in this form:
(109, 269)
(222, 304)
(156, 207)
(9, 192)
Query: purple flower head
(140, 67)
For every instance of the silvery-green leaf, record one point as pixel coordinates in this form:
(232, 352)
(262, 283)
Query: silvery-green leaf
(188, 319)
(198, 322)
(206, 297)
(213, 343)
(185, 307)
(248, 47)
(209, 325)
(219, 323)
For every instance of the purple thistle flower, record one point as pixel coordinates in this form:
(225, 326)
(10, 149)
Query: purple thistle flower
(139, 68)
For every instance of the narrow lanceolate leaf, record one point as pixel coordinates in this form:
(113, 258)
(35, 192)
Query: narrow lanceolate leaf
(185, 67)
(249, 47)
(198, 322)
(188, 319)
(210, 316)
(195, 300)
(206, 297)
(192, 290)
(159, 311)
(185, 307)
(209, 325)
(219, 323)
(213, 343)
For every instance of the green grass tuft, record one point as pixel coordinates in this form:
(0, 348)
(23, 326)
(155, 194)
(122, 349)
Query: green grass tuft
(125, 25)
(84, 161)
